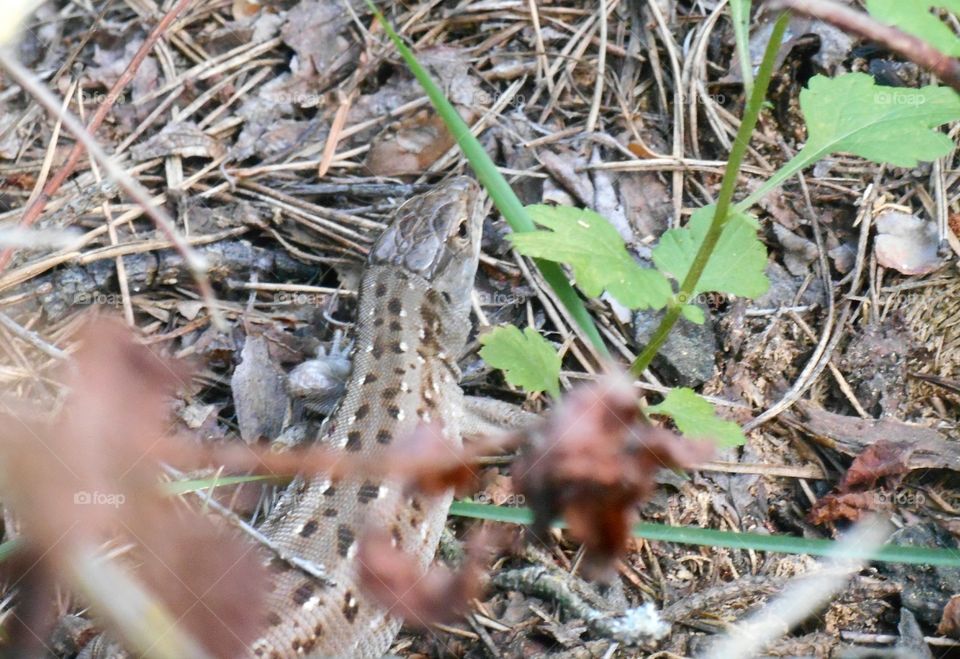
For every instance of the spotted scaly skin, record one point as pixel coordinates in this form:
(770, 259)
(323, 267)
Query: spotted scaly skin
(412, 325)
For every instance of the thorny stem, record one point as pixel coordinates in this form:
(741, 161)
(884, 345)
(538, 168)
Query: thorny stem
(720, 215)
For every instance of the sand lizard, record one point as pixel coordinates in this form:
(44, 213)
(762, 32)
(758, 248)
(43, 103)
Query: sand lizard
(412, 324)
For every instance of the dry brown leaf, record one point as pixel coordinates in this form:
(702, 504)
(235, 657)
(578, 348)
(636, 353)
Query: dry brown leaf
(595, 460)
(856, 491)
(398, 582)
(90, 475)
(259, 395)
(950, 622)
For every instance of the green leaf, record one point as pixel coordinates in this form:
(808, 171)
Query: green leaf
(915, 17)
(696, 418)
(591, 246)
(693, 313)
(526, 358)
(736, 265)
(895, 125)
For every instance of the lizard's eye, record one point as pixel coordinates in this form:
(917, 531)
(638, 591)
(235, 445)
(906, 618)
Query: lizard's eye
(462, 230)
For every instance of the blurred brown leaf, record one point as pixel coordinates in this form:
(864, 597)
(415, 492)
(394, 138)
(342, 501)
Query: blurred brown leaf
(594, 461)
(90, 474)
(398, 582)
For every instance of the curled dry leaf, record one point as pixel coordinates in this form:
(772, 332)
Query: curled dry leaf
(950, 622)
(857, 493)
(595, 460)
(90, 474)
(907, 243)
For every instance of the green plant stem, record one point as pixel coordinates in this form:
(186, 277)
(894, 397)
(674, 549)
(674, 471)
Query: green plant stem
(496, 185)
(721, 213)
(691, 535)
(740, 12)
(799, 162)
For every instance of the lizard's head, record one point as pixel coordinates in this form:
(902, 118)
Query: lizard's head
(437, 236)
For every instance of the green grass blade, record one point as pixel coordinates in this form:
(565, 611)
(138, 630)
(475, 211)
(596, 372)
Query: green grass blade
(687, 535)
(200, 484)
(8, 548)
(496, 185)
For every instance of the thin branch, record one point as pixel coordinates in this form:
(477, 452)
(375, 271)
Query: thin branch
(916, 50)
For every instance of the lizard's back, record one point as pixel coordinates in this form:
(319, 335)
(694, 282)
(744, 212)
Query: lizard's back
(412, 325)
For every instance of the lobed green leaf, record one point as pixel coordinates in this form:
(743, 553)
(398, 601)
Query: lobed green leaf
(696, 418)
(590, 245)
(526, 358)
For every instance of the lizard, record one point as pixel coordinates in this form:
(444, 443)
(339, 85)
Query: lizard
(412, 325)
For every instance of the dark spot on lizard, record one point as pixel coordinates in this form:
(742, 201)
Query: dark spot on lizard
(350, 606)
(330, 491)
(309, 529)
(394, 306)
(377, 322)
(393, 411)
(362, 411)
(399, 371)
(423, 354)
(318, 630)
(384, 436)
(303, 593)
(381, 289)
(397, 348)
(354, 440)
(273, 619)
(377, 348)
(369, 377)
(277, 565)
(395, 325)
(397, 534)
(390, 393)
(415, 504)
(308, 645)
(345, 538)
(368, 492)
(433, 297)
(330, 512)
